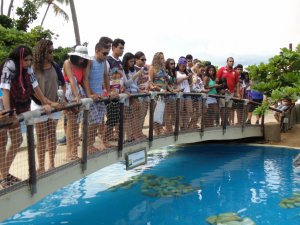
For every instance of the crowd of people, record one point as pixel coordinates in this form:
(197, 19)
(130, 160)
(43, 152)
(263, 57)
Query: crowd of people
(32, 80)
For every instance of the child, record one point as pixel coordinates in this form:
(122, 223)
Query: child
(285, 105)
(116, 83)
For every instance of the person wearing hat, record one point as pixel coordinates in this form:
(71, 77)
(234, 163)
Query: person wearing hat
(73, 70)
(184, 80)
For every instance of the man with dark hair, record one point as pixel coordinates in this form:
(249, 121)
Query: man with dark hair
(114, 63)
(106, 40)
(117, 52)
(233, 84)
(93, 83)
(189, 60)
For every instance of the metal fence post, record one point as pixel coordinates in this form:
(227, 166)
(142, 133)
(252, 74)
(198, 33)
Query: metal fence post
(203, 100)
(121, 130)
(85, 136)
(225, 117)
(245, 112)
(31, 158)
(151, 117)
(123, 98)
(86, 102)
(176, 129)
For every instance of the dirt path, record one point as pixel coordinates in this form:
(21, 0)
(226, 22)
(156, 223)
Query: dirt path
(290, 138)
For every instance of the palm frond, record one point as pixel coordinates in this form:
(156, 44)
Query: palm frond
(59, 11)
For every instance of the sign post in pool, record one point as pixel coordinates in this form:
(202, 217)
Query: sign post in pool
(136, 158)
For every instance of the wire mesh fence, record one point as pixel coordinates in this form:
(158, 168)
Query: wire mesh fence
(82, 130)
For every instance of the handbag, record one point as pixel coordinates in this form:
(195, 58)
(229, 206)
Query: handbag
(159, 111)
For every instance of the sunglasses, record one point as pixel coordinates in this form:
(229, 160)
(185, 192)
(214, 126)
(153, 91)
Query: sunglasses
(105, 53)
(143, 60)
(172, 63)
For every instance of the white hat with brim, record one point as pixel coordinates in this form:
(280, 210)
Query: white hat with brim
(82, 52)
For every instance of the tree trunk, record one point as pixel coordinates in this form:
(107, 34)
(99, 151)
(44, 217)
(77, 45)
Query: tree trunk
(10, 7)
(2, 2)
(75, 22)
(45, 15)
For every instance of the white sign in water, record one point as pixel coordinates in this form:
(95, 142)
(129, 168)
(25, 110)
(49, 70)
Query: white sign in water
(134, 159)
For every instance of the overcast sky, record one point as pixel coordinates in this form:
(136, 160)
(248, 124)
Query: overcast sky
(249, 30)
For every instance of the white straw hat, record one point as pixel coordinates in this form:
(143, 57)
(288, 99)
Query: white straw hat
(81, 51)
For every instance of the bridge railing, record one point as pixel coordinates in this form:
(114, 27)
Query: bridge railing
(30, 151)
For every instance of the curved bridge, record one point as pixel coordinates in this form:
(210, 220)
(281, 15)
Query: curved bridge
(33, 186)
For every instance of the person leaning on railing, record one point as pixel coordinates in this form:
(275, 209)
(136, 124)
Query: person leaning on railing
(73, 70)
(286, 103)
(197, 86)
(210, 84)
(18, 84)
(184, 81)
(170, 116)
(142, 80)
(158, 83)
(50, 78)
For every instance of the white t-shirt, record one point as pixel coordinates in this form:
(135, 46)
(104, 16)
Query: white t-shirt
(8, 74)
(184, 85)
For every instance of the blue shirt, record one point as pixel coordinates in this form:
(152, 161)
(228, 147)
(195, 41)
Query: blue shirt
(96, 76)
(256, 95)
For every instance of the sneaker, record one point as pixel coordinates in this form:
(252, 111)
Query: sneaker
(62, 141)
(257, 122)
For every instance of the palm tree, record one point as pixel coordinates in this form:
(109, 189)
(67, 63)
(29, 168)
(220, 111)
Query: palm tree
(57, 10)
(10, 7)
(1, 10)
(75, 22)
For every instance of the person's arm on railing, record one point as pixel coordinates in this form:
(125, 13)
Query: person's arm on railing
(153, 87)
(68, 71)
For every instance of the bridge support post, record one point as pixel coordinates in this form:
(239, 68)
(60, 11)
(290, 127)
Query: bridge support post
(121, 130)
(151, 118)
(176, 129)
(31, 157)
(85, 136)
(203, 101)
(245, 112)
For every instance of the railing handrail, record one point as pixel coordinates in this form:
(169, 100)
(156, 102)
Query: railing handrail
(40, 112)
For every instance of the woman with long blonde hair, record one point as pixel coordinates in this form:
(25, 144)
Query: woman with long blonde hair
(158, 82)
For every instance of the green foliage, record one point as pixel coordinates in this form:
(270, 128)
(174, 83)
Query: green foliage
(263, 109)
(13, 32)
(6, 22)
(10, 38)
(279, 77)
(27, 14)
(61, 54)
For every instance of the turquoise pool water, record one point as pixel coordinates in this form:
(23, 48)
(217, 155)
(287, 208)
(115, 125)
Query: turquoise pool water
(247, 180)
